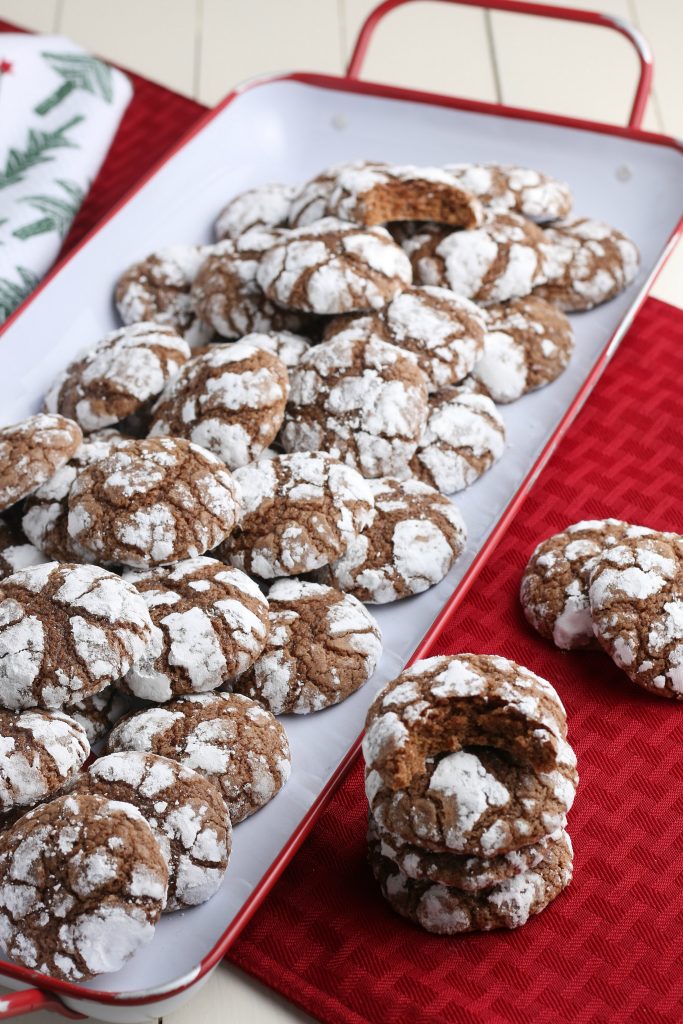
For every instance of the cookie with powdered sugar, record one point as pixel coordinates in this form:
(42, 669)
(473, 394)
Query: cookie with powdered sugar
(332, 266)
(322, 647)
(100, 711)
(153, 502)
(82, 886)
(185, 811)
(16, 551)
(371, 192)
(362, 400)
(266, 206)
(554, 587)
(230, 400)
(289, 347)
(157, 289)
(506, 187)
(31, 451)
(503, 259)
(232, 740)
(444, 331)
(40, 752)
(300, 512)
(528, 344)
(636, 604)
(211, 624)
(416, 536)
(118, 376)
(586, 262)
(463, 437)
(447, 910)
(66, 632)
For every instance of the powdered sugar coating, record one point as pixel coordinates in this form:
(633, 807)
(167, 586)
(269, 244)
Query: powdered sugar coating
(31, 451)
(153, 502)
(40, 751)
(15, 550)
(333, 267)
(290, 348)
(97, 713)
(266, 206)
(463, 437)
(323, 646)
(506, 187)
(300, 512)
(211, 624)
(116, 377)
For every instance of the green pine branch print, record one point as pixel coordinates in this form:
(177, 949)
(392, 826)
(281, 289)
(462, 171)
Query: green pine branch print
(13, 294)
(57, 213)
(78, 71)
(37, 151)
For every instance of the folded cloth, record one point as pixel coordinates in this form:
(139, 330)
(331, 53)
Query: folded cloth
(59, 111)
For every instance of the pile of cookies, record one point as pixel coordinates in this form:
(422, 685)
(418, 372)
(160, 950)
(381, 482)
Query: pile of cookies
(615, 585)
(469, 778)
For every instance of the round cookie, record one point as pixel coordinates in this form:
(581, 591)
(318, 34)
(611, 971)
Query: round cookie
(333, 267)
(15, 550)
(362, 400)
(370, 192)
(266, 206)
(185, 811)
(66, 632)
(300, 512)
(463, 437)
(32, 451)
(232, 740)
(82, 885)
(506, 187)
(413, 541)
(444, 331)
(210, 625)
(230, 400)
(463, 700)
(116, 377)
(554, 587)
(97, 713)
(46, 512)
(226, 295)
(528, 344)
(586, 262)
(503, 259)
(477, 801)
(153, 502)
(158, 289)
(457, 870)
(636, 604)
(322, 647)
(40, 751)
(444, 910)
(290, 348)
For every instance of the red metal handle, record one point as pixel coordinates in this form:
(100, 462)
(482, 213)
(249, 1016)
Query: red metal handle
(637, 40)
(30, 1000)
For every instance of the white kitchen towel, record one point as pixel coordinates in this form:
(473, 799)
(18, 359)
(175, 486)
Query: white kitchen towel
(59, 111)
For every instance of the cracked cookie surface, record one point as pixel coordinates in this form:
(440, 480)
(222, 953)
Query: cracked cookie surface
(40, 751)
(32, 451)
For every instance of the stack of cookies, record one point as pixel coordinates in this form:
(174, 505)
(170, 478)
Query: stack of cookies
(469, 778)
(611, 584)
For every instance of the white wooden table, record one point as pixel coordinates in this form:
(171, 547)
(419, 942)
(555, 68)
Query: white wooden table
(203, 47)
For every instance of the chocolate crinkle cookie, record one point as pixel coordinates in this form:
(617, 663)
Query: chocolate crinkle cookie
(322, 647)
(153, 502)
(232, 740)
(290, 348)
(185, 811)
(40, 752)
(371, 192)
(414, 539)
(528, 344)
(300, 512)
(333, 266)
(32, 451)
(230, 400)
(362, 400)
(66, 632)
(116, 378)
(505, 187)
(210, 625)
(158, 289)
(463, 436)
(266, 206)
(82, 886)
(16, 551)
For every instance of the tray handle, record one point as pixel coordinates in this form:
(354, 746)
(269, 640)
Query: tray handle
(636, 39)
(31, 1000)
